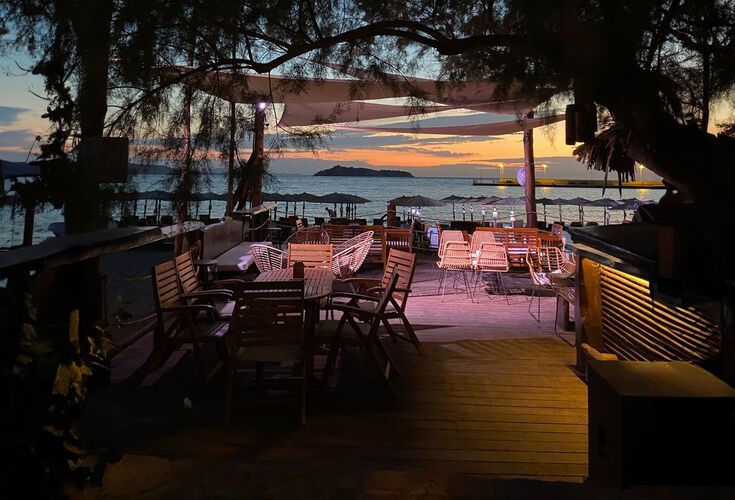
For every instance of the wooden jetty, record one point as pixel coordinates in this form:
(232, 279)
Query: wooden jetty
(568, 183)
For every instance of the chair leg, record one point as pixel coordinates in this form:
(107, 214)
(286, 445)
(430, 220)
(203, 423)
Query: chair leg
(412, 334)
(303, 392)
(443, 283)
(231, 383)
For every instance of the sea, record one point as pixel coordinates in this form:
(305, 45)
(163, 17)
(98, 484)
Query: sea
(376, 189)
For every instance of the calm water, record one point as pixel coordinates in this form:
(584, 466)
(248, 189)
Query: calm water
(378, 190)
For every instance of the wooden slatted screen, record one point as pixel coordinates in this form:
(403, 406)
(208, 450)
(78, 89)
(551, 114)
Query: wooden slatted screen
(637, 327)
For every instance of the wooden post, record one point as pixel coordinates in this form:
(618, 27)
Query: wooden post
(28, 224)
(256, 195)
(530, 184)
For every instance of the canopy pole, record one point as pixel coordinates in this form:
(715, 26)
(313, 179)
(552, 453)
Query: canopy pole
(530, 168)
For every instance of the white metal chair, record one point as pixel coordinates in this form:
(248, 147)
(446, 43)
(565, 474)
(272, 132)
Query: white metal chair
(268, 258)
(480, 237)
(455, 258)
(349, 256)
(308, 236)
(543, 262)
(492, 258)
(449, 235)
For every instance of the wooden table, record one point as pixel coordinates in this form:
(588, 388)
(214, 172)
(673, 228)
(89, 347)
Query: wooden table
(317, 282)
(317, 286)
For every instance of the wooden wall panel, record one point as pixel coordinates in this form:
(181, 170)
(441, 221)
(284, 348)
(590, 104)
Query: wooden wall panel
(637, 327)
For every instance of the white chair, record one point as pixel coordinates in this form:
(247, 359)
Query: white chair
(543, 263)
(480, 237)
(349, 256)
(449, 235)
(268, 258)
(492, 258)
(455, 258)
(308, 236)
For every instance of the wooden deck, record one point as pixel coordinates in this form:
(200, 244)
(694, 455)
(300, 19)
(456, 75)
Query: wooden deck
(495, 397)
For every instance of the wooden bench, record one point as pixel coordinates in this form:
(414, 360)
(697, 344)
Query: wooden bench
(224, 243)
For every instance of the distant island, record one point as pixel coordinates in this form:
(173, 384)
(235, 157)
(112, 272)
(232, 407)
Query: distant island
(340, 171)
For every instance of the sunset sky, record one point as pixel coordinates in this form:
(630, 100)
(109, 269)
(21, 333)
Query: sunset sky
(431, 155)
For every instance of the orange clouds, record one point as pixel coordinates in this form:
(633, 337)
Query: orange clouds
(425, 153)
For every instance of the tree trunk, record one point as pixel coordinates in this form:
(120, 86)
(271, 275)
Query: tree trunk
(530, 170)
(80, 285)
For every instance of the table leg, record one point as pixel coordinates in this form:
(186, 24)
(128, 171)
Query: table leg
(562, 314)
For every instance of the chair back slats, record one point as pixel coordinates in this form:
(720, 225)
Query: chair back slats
(492, 257)
(269, 313)
(400, 239)
(165, 285)
(187, 273)
(404, 265)
(267, 258)
(310, 255)
(480, 237)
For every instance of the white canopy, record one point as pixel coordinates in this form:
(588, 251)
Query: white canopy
(248, 88)
(483, 129)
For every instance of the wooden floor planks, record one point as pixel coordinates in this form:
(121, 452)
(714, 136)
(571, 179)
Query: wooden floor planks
(495, 396)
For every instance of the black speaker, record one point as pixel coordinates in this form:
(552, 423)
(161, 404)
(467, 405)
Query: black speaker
(570, 123)
(659, 423)
(585, 121)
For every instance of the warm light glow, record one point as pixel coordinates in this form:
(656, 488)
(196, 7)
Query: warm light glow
(262, 106)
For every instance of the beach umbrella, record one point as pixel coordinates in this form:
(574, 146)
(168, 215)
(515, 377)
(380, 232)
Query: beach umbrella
(631, 204)
(580, 202)
(417, 201)
(606, 204)
(510, 201)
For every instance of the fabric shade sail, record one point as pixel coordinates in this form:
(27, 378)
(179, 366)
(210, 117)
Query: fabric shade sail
(483, 129)
(248, 88)
(303, 114)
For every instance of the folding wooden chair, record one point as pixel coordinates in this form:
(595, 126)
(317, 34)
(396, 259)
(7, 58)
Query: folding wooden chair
(268, 327)
(338, 335)
(217, 293)
(180, 322)
(403, 263)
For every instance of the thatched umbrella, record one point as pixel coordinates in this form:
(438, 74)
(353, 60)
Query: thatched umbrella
(608, 152)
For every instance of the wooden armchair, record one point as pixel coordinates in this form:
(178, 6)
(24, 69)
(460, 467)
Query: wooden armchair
(310, 255)
(359, 334)
(404, 265)
(180, 322)
(217, 293)
(268, 327)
